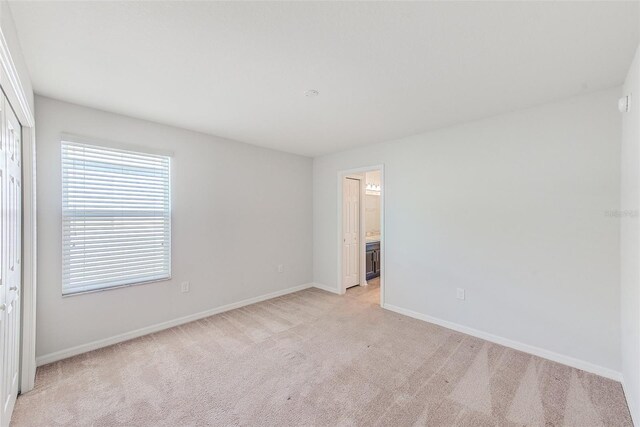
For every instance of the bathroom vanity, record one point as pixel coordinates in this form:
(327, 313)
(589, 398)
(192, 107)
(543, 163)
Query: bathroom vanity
(373, 258)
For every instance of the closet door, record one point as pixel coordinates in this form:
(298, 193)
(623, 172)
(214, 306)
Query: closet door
(3, 292)
(11, 254)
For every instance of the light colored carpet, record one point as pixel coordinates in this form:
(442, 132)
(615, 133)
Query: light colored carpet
(314, 358)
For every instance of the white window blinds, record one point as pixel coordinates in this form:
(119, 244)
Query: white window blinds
(116, 217)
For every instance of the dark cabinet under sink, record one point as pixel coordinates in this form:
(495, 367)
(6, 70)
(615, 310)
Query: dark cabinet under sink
(373, 260)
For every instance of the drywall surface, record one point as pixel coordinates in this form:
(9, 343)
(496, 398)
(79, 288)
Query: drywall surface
(518, 210)
(372, 214)
(630, 242)
(238, 211)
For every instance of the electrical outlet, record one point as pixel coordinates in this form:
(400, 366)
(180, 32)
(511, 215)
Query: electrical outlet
(184, 287)
(280, 268)
(460, 293)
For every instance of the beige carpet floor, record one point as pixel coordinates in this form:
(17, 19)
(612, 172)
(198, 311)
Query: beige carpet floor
(314, 358)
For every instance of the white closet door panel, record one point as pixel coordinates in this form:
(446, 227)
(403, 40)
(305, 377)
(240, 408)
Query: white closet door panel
(11, 238)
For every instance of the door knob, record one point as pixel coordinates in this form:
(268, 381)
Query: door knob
(3, 307)
(13, 288)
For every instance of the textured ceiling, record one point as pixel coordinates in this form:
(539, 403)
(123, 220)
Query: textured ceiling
(384, 70)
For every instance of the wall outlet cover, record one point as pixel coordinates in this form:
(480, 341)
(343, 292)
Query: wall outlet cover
(460, 293)
(280, 268)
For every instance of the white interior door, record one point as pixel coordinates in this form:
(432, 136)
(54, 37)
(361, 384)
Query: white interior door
(3, 281)
(11, 236)
(350, 232)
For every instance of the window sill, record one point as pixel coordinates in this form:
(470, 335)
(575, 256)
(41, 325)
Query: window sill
(111, 288)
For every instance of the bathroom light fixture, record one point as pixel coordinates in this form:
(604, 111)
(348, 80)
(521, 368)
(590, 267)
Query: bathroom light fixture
(372, 188)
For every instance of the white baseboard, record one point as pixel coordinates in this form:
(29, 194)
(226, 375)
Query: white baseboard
(325, 288)
(526, 348)
(632, 404)
(94, 345)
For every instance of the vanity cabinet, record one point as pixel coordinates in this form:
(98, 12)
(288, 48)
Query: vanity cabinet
(373, 259)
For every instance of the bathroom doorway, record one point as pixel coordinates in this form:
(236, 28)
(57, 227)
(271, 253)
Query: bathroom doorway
(361, 232)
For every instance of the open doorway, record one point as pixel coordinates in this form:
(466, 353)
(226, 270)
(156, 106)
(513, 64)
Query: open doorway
(361, 232)
(372, 211)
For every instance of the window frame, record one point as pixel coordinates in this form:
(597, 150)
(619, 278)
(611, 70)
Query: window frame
(135, 149)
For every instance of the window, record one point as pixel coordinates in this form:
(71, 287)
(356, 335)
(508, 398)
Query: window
(116, 217)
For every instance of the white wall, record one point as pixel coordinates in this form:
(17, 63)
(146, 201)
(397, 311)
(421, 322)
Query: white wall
(513, 209)
(237, 212)
(630, 242)
(372, 214)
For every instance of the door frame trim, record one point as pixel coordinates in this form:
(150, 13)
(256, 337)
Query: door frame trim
(363, 244)
(17, 96)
